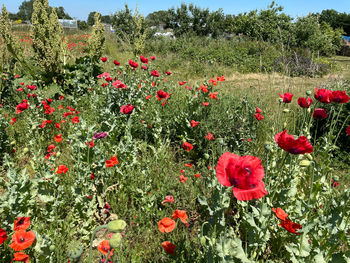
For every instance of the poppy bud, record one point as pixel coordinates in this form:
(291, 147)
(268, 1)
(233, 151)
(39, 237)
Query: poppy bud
(309, 156)
(93, 166)
(221, 141)
(309, 110)
(268, 147)
(33, 127)
(206, 156)
(280, 100)
(75, 251)
(286, 110)
(284, 124)
(25, 150)
(308, 92)
(13, 143)
(304, 163)
(116, 226)
(52, 248)
(115, 240)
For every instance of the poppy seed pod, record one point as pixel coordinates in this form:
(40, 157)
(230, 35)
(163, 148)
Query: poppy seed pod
(116, 226)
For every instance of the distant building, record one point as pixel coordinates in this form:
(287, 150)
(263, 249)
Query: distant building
(108, 28)
(72, 24)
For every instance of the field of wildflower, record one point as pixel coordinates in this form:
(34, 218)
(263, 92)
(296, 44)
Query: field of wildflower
(104, 160)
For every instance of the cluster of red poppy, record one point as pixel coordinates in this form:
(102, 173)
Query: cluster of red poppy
(112, 162)
(167, 225)
(287, 224)
(21, 239)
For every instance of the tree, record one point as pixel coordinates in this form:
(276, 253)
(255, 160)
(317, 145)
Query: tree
(61, 13)
(157, 18)
(26, 10)
(91, 18)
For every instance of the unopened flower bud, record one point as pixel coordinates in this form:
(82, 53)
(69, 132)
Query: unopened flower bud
(116, 226)
(304, 163)
(308, 92)
(115, 240)
(286, 110)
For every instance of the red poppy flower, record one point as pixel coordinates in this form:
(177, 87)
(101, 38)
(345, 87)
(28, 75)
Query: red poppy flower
(166, 225)
(22, 223)
(287, 97)
(155, 73)
(104, 247)
(127, 109)
(197, 175)
(304, 102)
(258, 110)
(103, 59)
(188, 165)
(22, 240)
(289, 144)
(116, 63)
(91, 144)
(348, 130)
(143, 59)
(334, 183)
(244, 173)
(111, 162)
(213, 95)
(323, 95)
(133, 64)
(58, 126)
(168, 199)
(3, 236)
(258, 116)
(187, 146)
(148, 97)
(279, 212)
(119, 84)
(194, 123)
(290, 226)
(75, 119)
(319, 114)
(182, 178)
(58, 138)
(205, 103)
(152, 57)
(168, 73)
(209, 136)
(340, 96)
(180, 214)
(162, 95)
(20, 257)
(144, 67)
(169, 247)
(62, 169)
(22, 106)
(13, 120)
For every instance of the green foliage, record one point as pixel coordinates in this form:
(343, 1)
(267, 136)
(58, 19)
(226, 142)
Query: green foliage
(97, 40)
(310, 34)
(47, 35)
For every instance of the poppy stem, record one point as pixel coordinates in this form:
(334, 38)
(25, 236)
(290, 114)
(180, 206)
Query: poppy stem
(92, 239)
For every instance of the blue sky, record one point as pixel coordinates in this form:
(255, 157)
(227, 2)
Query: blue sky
(81, 8)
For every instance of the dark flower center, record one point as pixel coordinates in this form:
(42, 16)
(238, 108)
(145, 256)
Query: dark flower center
(22, 239)
(294, 150)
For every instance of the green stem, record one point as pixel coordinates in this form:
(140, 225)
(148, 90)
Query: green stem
(92, 239)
